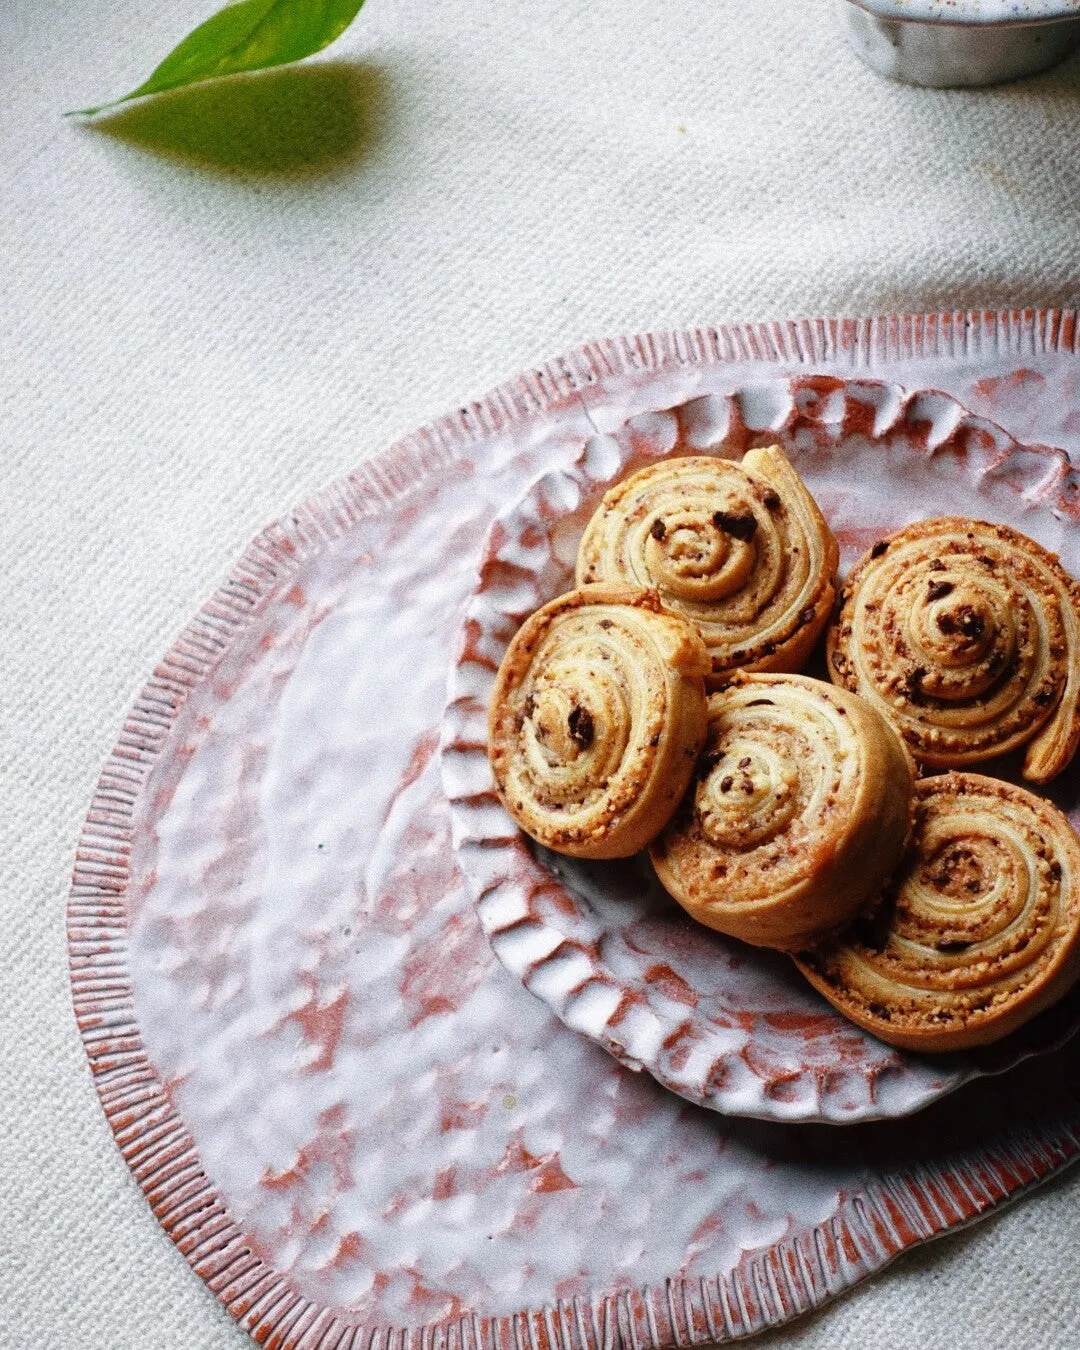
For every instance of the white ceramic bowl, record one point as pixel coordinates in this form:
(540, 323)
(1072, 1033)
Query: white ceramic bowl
(949, 43)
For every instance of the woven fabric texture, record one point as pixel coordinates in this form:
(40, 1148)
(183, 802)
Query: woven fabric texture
(213, 304)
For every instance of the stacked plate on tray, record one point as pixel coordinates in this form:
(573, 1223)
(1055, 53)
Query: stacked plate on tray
(387, 1071)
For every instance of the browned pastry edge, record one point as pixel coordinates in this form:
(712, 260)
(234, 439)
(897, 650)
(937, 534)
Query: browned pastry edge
(1046, 719)
(846, 862)
(772, 485)
(881, 1011)
(645, 789)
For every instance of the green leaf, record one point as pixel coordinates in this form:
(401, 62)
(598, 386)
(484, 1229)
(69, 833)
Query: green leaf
(250, 35)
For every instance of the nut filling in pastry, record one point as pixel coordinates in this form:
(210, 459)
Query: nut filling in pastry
(978, 931)
(597, 719)
(967, 635)
(799, 811)
(740, 549)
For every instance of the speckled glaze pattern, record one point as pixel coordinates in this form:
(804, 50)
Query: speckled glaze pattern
(974, 11)
(360, 1130)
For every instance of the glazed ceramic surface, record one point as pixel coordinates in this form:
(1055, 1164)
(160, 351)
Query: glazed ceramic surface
(974, 11)
(727, 1026)
(359, 1128)
(953, 43)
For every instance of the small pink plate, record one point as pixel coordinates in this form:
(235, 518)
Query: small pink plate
(730, 1027)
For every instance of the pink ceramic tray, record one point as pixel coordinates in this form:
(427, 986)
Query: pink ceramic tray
(357, 1126)
(731, 1028)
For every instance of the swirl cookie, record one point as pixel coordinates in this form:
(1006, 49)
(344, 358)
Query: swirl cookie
(979, 930)
(740, 549)
(798, 813)
(967, 635)
(596, 720)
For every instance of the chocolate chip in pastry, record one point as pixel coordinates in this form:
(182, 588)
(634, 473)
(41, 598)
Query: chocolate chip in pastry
(741, 549)
(597, 719)
(978, 931)
(798, 813)
(967, 635)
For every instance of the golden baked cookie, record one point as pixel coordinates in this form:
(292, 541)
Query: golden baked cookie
(967, 635)
(740, 548)
(798, 813)
(596, 720)
(978, 931)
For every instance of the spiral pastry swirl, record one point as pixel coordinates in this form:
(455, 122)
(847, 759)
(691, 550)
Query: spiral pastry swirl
(740, 549)
(967, 635)
(978, 931)
(799, 811)
(596, 720)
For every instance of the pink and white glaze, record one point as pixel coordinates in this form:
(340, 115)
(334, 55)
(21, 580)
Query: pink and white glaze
(359, 1129)
(721, 1024)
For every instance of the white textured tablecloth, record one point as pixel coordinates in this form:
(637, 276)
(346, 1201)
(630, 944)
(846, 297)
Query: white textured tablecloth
(210, 307)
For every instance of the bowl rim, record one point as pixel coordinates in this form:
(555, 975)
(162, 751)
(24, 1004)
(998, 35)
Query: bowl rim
(974, 13)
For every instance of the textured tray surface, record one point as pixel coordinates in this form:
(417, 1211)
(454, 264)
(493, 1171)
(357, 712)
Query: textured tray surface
(726, 1026)
(348, 1116)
